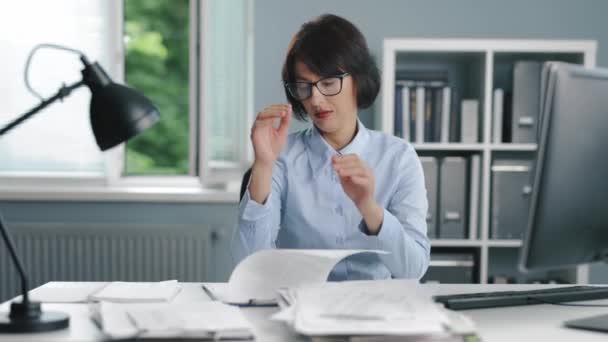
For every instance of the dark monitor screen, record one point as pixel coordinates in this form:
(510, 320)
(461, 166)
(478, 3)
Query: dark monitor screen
(568, 222)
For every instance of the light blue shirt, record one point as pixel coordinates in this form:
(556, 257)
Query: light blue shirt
(307, 207)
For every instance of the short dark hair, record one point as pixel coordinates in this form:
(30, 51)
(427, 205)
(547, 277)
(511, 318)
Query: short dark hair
(330, 45)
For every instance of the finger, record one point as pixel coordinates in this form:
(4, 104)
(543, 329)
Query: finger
(349, 156)
(276, 108)
(279, 106)
(270, 115)
(273, 110)
(346, 158)
(355, 171)
(347, 164)
(285, 122)
(359, 180)
(350, 164)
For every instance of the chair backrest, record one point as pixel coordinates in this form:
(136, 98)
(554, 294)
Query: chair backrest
(244, 182)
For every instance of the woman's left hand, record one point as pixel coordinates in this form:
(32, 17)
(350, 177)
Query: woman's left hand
(356, 178)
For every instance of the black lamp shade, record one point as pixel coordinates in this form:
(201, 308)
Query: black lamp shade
(118, 113)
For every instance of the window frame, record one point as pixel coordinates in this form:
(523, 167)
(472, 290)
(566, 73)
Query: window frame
(206, 180)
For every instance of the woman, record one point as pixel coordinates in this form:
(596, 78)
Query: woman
(336, 185)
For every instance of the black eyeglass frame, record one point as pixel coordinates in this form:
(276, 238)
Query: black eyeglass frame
(314, 84)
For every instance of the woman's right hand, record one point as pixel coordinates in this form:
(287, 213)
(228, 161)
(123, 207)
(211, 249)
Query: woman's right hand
(268, 141)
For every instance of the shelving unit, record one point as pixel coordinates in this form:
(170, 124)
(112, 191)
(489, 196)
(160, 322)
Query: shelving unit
(479, 66)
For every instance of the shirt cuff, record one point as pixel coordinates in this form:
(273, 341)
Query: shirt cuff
(388, 231)
(252, 210)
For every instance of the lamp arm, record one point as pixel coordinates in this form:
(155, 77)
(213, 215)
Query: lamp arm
(63, 92)
(11, 249)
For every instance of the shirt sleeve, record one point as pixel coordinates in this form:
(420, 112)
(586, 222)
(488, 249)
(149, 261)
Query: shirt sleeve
(403, 231)
(258, 223)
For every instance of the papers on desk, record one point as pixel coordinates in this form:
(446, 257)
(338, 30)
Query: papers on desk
(65, 292)
(134, 292)
(120, 292)
(212, 320)
(255, 279)
(370, 308)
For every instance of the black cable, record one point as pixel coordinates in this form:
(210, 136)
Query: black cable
(568, 304)
(29, 59)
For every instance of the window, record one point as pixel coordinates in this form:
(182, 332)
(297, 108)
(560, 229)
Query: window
(84, 25)
(227, 93)
(156, 38)
(193, 58)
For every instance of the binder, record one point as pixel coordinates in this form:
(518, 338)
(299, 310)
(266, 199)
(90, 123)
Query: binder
(475, 171)
(437, 109)
(420, 106)
(469, 121)
(497, 111)
(413, 113)
(511, 190)
(507, 116)
(445, 115)
(431, 174)
(526, 100)
(405, 113)
(398, 111)
(455, 115)
(452, 198)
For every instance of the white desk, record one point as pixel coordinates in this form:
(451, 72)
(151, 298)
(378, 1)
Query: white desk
(521, 323)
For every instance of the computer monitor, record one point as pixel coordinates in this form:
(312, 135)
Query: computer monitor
(568, 220)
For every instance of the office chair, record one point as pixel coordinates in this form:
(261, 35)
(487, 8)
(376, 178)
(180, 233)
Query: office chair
(244, 182)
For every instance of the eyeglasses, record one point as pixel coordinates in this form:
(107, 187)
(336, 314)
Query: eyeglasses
(328, 86)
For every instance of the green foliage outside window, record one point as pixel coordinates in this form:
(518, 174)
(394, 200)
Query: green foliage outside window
(156, 63)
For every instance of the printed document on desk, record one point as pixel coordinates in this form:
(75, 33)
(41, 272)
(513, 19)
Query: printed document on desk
(206, 320)
(65, 291)
(379, 307)
(256, 279)
(116, 291)
(138, 292)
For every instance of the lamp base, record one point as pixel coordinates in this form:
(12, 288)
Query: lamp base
(28, 318)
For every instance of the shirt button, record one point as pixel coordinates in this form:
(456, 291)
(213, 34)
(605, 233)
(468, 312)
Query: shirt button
(338, 210)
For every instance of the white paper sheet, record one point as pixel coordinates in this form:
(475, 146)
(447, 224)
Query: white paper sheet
(138, 292)
(259, 275)
(65, 292)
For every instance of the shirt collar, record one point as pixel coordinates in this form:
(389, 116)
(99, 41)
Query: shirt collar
(320, 152)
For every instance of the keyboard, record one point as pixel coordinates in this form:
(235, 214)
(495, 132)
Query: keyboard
(529, 297)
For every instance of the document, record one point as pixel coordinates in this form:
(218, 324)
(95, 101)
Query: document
(137, 292)
(207, 320)
(256, 279)
(65, 292)
(367, 308)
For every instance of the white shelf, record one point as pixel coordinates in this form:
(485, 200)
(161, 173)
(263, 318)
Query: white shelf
(455, 243)
(504, 243)
(513, 147)
(475, 59)
(448, 147)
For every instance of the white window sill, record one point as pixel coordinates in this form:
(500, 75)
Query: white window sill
(120, 194)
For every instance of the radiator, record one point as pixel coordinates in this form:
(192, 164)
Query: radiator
(107, 252)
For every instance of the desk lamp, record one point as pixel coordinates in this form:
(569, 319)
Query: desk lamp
(118, 113)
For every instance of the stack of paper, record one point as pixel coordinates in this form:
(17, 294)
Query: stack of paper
(213, 320)
(127, 292)
(372, 308)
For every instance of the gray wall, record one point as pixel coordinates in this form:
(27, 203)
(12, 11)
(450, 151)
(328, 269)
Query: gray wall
(275, 23)
(277, 20)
